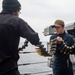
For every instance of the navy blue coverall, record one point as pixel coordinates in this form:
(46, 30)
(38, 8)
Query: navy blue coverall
(60, 64)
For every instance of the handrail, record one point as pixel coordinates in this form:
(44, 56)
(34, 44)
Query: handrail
(37, 73)
(27, 52)
(31, 63)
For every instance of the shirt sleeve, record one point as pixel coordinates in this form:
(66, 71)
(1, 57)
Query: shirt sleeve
(27, 32)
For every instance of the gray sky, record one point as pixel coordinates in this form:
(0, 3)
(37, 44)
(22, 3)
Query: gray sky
(42, 13)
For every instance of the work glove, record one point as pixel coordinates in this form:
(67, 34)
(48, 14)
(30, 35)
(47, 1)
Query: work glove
(41, 50)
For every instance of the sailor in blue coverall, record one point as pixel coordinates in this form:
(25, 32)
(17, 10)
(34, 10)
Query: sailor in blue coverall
(61, 64)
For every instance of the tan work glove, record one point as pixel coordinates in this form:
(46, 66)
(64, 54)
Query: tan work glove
(38, 51)
(42, 52)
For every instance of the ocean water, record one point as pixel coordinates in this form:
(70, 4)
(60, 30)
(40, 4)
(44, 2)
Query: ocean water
(32, 63)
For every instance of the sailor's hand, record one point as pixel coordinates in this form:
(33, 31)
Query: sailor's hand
(42, 53)
(38, 51)
(59, 40)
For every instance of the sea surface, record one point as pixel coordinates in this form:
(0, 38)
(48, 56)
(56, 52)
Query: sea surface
(31, 63)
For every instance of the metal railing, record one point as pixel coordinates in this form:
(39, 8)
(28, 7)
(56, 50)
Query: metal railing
(23, 64)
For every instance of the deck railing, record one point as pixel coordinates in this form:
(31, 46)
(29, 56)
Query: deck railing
(40, 62)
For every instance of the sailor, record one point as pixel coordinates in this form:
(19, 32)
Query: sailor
(61, 63)
(11, 29)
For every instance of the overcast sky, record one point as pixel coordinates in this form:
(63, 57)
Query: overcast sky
(42, 13)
